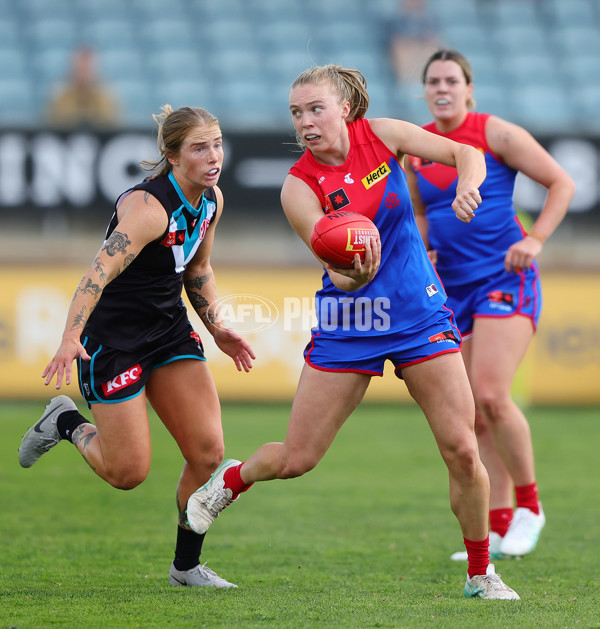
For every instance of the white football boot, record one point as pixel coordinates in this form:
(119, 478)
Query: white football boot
(523, 533)
(490, 586)
(205, 504)
(200, 576)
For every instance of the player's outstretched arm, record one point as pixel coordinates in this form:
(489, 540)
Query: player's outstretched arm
(142, 219)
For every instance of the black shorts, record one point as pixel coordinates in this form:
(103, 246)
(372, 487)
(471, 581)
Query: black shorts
(114, 375)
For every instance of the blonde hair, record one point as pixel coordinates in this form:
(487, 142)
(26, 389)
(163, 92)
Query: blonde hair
(349, 86)
(173, 127)
(446, 54)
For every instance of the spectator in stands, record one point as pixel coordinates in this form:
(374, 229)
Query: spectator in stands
(412, 37)
(490, 274)
(83, 100)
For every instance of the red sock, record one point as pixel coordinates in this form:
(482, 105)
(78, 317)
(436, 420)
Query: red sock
(500, 520)
(233, 480)
(527, 497)
(479, 556)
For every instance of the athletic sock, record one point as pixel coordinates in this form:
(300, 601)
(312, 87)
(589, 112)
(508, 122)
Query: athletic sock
(187, 549)
(233, 480)
(527, 497)
(479, 556)
(500, 520)
(67, 422)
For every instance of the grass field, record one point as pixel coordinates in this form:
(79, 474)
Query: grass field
(362, 541)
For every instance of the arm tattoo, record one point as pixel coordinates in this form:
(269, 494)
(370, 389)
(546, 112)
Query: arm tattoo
(99, 268)
(194, 288)
(198, 301)
(210, 316)
(128, 260)
(117, 243)
(80, 319)
(91, 288)
(198, 282)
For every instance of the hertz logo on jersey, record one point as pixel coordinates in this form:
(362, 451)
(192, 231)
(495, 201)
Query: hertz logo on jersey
(373, 177)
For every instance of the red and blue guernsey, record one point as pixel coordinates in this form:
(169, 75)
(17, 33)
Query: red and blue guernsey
(475, 250)
(406, 294)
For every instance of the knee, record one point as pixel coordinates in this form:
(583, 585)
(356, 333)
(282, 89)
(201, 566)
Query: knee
(491, 405)
(462, 458)
(203, 461)
(205, 457)
(126, 479)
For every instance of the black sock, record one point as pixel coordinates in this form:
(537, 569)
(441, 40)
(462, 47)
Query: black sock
(188, 549)
(68, 421)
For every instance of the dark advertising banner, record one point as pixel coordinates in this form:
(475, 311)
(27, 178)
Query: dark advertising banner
(82, 173)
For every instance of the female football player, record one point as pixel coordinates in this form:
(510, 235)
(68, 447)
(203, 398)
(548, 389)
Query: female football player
(492, 280)
(354, 163)
(128, 329)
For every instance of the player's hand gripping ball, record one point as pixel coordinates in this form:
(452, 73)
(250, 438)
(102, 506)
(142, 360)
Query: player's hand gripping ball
(338, 236)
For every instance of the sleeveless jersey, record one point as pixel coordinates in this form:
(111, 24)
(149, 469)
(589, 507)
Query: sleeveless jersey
(143, 304)
(406, 293)
(469, 251)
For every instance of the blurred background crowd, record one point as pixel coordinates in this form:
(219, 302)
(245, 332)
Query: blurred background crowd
(107, 65)
(535, 61)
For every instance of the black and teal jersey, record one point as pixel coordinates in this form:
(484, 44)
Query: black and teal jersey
(143, 304)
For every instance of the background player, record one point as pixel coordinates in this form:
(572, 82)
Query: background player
(128, 329)
(414, 331)
(489, 272)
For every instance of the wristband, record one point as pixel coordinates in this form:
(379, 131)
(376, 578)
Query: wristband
(540, 237)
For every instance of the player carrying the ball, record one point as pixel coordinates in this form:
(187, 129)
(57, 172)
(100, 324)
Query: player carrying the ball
(129, 332)
(356, 164)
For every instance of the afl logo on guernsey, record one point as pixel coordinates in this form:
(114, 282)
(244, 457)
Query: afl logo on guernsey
(373, 177)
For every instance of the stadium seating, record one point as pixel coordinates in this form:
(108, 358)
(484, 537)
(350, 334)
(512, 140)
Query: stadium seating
(240, 56)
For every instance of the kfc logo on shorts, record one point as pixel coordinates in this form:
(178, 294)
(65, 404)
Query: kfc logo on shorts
(123, 380)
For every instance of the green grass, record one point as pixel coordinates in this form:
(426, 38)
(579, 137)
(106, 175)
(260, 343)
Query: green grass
(362, 541)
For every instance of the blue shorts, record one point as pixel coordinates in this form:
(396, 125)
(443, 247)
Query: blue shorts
(367, 354)
(500, 295)
(115, 376)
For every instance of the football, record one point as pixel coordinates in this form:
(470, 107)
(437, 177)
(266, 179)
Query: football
(338, 236)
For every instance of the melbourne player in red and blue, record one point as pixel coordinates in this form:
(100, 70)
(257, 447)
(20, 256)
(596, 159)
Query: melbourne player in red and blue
(391, 307)
(489, 272)
(358, 331)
